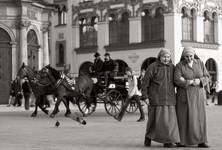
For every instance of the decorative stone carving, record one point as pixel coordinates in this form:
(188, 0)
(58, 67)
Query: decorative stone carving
(172, 5)
(21, 24)
(45, 28)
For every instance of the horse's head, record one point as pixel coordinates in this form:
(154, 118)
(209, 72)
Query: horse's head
(51, 72)
(25, 71)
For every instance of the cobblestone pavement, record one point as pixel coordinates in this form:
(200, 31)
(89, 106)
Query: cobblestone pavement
(18, 131)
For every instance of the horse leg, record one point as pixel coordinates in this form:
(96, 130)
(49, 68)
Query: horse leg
(56, 108)
(41, 106)
(66, 103)
(34, 114)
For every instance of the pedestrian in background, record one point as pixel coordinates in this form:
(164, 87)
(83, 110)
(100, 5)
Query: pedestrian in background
(133, 94)
(191, 77)
(159, 87)
(26, 93)
(18, 92)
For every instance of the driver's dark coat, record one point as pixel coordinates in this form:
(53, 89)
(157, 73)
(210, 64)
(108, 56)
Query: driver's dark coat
(98, 65)
(108, 65)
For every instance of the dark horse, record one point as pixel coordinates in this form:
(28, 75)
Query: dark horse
(83, 89)
(40, 85)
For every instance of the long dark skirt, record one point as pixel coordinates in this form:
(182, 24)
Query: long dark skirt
(162, 124)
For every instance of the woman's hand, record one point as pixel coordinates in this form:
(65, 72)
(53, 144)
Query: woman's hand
(196, 82)
(190, 82)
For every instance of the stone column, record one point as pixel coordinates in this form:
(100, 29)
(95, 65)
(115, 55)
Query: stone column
(23, 58)
(135, 31)
(14, 60)
(219, 61)
(76, 44)
(173, 35)
(200, 28)
(45, 30)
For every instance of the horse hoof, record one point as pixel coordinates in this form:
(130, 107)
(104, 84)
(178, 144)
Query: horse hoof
(52, 116)
(47, 112)
(67, 114)
(83, 122)
(33, 115)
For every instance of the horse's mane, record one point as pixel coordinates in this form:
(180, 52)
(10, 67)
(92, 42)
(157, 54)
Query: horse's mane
(54, 72)
(32, 73)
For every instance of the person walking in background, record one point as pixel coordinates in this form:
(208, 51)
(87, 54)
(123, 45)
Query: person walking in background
(26, 92)
(133, 94)
(159, 87)
(191, 77)
(12, 94)
(18, 92)
(140, 78)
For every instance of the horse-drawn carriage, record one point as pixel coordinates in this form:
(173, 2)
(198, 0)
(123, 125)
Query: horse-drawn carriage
(85, 93)
(111, 95)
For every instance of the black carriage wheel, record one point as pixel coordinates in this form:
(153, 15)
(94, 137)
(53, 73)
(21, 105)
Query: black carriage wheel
(132, 107)
(113, 102)
(82, 105)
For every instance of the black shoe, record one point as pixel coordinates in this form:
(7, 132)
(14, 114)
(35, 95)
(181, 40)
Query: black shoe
(117, 118)
(141, 119)
(168, 145)
(180, 145)
(147, 142)
(203, 145)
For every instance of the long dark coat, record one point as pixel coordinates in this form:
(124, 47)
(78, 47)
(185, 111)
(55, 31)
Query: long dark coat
(191, 102)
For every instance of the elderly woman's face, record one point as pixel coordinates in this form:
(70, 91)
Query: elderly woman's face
(189, 57)
(165, 59)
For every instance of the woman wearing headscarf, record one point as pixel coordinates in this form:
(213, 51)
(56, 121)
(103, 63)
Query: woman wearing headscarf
(191, 77)
(159, 87)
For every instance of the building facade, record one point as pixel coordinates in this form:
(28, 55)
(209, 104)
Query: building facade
(24, 30)
(133, 32)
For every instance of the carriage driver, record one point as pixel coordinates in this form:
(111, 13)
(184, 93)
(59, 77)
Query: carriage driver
(97, 65)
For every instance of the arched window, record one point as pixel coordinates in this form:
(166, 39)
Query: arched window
(124, 29)
(113, 29)
(157, 32)
(61, 55)
(146, 25)
(62, 13)
(120, 67)
(147, 62)
(119, 29)
(85, 68)
(212, 69)
(187, 24)
(209, 20)
(88, 31)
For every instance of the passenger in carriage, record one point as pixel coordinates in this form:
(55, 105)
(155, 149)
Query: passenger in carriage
(97, 65)
(108, 67)
(133, 94)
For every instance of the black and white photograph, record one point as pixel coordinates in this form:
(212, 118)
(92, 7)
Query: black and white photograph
(110, 74)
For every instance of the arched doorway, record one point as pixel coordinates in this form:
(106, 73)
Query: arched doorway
(212, 69)
(33, 50)
(120, 67)
(147, 62)
(85, 68)
(5, 66)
